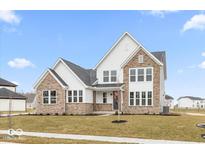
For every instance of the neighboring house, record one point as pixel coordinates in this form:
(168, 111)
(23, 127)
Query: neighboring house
(169, 101)
(9, 99)
(129, 78)
(191, 102)
(30, 104)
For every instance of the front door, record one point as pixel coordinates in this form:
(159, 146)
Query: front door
(115, 100)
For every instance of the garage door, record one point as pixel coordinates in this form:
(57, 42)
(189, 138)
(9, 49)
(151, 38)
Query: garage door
(16, 105)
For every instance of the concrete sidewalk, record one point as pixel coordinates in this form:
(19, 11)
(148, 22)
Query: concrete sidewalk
(101, 138)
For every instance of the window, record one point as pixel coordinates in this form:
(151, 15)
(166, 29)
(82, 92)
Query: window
(49, 97)
(75, 96)
(104, 97)
(105, 76)
(45, 97)
(141, 59)
(52, 97)
(132, 98)
(140, 74)
(69, 96)
(137, 98)
(143, 98)
(149, 74)
(149, 98)
(132, 75)
(113, 76)
(80, 96)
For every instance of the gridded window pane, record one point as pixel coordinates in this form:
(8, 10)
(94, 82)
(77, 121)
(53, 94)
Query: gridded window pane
(69, 96)
(141, 59)
(113, 76)
(132, 75)
(140, 74)
(46, 97)
(105, 76)
(80, 96)
(149, 74)
(143, 98)
(131, 98)
(137, 98)
(53, 97)
(104, 97)
(45, 93)
(45, 100)
(75, 96)
(149, 98)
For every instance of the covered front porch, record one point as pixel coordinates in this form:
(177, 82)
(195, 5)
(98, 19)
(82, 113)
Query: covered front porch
(108, 97)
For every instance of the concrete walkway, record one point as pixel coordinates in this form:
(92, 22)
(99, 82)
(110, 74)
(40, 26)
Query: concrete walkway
(100, 138)
(195, 114)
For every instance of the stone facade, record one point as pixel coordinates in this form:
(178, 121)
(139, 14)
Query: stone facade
(103, 107)
(79, 108)
(133, 63)
(49, 83)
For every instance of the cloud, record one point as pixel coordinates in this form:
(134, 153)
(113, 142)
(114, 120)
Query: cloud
(20, 63)
(196, 22)
(203, 54)
(202, 65)
(161, 13)
(9, 17)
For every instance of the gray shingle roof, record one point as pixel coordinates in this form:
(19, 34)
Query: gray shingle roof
(6, 94)
(168, 97)
(88, 76)
(191, 97)
(161, 56)
(58, 77)
(108, 85)
(4, 82)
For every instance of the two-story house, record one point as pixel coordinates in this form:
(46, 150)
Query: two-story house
(128, 78)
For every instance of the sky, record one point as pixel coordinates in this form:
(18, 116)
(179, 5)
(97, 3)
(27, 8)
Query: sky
(32, 41)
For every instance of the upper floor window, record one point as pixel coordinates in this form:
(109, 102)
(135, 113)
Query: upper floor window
(132, 75)
(140, 74)
(149, 74)
(113, 76)
(49, 97)
(141, 59)
(105, 76)
(104, 97)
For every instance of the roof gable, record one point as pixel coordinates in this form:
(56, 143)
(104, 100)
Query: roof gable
(119, 40)
(54, 75)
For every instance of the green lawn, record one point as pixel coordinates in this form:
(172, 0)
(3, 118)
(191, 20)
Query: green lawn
(178, 110)
(142, 126)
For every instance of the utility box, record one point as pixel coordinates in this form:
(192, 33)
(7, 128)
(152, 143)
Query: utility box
(165, 109)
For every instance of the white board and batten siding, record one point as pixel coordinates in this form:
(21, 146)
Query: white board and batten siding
(16, 105)
(73, 82)
(116, 57)
(9, 88)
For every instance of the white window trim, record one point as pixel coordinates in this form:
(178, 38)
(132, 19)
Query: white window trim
(104, 97)
(145, 74)
(132, 75)
(140, 57)
(146, 100)
(49, 97)
(113, 76)
(73, 96)
(106, 76)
